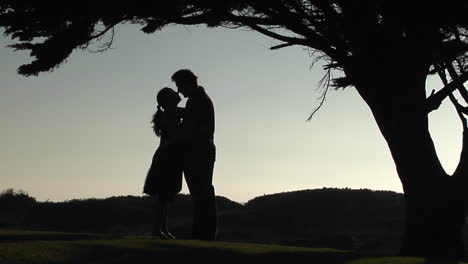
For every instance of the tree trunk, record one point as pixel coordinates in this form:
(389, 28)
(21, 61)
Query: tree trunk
(434, 222)
(435, 203)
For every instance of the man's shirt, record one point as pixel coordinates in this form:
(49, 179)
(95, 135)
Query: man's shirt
(199, 117)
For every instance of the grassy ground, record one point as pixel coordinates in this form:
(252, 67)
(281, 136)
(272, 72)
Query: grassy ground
(52, 247)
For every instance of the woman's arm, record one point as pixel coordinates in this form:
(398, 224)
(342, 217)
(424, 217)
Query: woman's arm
(180, 111)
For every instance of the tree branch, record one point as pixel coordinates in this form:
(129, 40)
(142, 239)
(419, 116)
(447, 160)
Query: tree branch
(106, 46)
(191, 20)
(293, 22)
(435, 100)
(251, 23)
(461, 88)
(459, 109)
(264, 21)
(282, 46)
(461, 172)
(324, 82)
(100, 34)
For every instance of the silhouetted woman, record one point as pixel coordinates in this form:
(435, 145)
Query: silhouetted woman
(164, 178)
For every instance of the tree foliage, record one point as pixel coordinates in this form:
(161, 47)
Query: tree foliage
(340, 29)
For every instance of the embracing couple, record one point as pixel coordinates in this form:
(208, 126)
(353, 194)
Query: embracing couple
(186, 147)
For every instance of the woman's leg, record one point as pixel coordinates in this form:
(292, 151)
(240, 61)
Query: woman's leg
(165, 216)
(158, 218)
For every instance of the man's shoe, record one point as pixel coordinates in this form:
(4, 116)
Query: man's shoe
(159, 234)
(169, 235)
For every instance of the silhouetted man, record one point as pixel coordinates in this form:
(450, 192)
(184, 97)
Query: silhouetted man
(198, 153)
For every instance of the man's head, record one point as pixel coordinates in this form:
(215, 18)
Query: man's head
(186, 81)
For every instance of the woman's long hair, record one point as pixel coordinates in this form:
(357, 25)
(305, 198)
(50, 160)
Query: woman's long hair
(157, 117)
(162, 98)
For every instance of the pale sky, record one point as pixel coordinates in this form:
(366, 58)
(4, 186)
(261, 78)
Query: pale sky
(83, 131)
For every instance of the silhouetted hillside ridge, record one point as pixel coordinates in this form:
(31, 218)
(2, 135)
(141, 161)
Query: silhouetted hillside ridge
(328, 217)
(339, 218)
(122, 214)
(331, 208)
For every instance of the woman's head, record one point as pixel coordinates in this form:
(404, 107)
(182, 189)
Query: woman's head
(168, 98)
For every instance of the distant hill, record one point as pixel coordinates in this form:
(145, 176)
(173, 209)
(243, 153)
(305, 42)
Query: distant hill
(120, 214)
(328, 217)
(330, 210)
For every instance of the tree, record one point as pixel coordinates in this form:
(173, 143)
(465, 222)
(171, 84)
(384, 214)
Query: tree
(14, 207)
(385, 48)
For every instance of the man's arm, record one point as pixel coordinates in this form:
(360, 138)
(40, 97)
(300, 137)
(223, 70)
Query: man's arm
(191, 130)
(199, 122)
